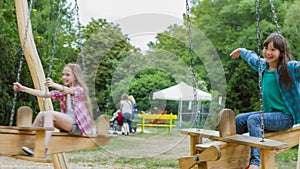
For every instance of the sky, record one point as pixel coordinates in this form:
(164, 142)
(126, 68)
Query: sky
(140, 20)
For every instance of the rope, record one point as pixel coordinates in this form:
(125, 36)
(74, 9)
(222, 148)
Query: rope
(12, 114)
(191, 51)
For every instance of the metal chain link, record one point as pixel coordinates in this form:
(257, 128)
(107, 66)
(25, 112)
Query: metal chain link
(274, 16)
(53, 52)
(259, 69)
(79, 41)
(13, 111)
(192, 65)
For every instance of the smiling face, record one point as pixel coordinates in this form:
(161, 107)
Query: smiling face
(271, 55)
(68, 76)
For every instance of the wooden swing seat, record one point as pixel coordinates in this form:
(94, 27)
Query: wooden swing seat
(234, 148)
(15, 137)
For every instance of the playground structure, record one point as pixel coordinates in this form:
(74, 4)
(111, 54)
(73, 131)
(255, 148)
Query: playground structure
(225, 149)
(12, 138)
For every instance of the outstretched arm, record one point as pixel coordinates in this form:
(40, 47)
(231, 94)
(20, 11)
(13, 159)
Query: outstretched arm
(34, 92)
(249, 56)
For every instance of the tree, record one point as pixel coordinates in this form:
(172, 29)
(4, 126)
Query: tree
(105, 47)
(292, 26)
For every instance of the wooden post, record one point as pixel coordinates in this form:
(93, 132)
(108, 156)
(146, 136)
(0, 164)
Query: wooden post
(60, 161)
(227, 123)
(39, 147)
(143, 123)
(24, 117)
(267, 159)
(103, 125)
(298, 162)
(171, 124)
(30, 52)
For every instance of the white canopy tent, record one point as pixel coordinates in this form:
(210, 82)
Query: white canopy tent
(181, 92)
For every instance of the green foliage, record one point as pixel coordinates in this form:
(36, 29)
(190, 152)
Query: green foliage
(292, 26)
(144, 83)
(247, 91)
(104, 48)
(114, 67)
(10, 53)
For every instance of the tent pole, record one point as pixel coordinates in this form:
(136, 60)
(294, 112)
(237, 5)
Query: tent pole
(180, 112)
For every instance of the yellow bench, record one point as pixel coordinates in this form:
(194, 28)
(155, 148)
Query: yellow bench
(145, 117)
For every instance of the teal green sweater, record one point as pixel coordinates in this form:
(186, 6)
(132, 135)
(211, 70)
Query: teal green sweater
(291, 96)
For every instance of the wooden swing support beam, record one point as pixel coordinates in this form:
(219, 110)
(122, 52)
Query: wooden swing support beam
(12, 138)
(30, 52)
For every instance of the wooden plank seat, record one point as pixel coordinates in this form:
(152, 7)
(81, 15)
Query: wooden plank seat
(14, 138)
(234, 148)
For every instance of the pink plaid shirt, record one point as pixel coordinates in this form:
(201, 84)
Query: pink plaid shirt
(82, 114)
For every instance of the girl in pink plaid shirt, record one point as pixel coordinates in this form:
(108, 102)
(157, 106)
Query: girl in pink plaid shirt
(75, 116)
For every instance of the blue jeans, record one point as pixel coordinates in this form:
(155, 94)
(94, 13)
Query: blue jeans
(250, 122)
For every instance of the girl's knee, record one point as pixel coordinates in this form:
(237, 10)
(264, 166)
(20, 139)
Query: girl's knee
(47, 114)
(253, 119)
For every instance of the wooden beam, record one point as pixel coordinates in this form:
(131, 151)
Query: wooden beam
(59, 143)
(30, 52)
(267, 158)
(298, 162)
(212, 153)
(60, 161)
(237, 139)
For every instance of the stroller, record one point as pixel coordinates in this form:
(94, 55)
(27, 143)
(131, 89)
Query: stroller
(116, 121)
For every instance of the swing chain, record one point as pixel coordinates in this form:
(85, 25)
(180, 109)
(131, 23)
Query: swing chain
(274, 16)
(259, 69)
(191, 51)
(53, 52)
(52, 59)
(79, 41)
(12, 114)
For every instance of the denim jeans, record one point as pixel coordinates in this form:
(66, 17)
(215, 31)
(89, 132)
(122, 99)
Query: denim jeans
(250, 122)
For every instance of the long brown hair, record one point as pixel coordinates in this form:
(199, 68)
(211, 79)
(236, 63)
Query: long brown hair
(80, 81)
(280, 43)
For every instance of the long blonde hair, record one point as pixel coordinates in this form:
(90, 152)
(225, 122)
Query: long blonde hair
(131, 98)
(79, 80)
